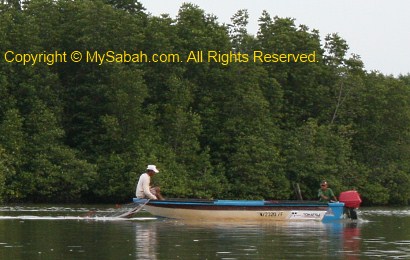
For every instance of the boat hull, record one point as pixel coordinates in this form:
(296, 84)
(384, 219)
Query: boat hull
(233, 215)
(241, 210)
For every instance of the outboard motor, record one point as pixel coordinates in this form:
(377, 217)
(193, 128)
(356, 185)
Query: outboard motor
(352, 201)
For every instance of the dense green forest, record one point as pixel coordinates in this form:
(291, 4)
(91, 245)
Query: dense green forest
(84, 132)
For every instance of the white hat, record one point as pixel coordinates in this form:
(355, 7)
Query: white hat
(152, 168)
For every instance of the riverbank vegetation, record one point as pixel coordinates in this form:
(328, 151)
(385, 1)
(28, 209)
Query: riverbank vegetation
(81, 131)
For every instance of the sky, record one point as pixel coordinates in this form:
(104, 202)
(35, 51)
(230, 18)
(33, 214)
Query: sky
(376, 30)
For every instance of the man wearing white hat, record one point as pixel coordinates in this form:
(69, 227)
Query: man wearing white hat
(144, 191)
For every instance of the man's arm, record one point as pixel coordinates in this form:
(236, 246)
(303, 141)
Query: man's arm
(332, 195)
(146, 188)
(321, 195)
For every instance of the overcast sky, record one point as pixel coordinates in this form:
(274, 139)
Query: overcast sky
(377, 30)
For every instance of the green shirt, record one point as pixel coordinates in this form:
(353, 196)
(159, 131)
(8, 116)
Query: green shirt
(328, 193)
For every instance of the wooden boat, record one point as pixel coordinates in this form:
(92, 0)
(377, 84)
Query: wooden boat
(247, 210)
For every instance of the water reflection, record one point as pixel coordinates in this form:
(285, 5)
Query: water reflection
(351, 241)
(146, 241)
(169, 239)
(346, 236)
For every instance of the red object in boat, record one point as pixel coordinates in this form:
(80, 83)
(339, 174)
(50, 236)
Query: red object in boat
(350, 198)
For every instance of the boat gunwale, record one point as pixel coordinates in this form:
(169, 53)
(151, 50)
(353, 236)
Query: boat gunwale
(240, 208)
(243, 204)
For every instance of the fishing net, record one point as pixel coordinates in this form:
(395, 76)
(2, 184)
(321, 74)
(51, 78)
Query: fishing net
(120, 211)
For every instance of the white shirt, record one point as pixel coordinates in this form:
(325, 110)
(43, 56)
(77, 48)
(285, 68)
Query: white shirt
(143, 188)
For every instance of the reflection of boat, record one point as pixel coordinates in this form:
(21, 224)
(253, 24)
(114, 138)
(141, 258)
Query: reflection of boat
(351, 241)
(253, 210)
(146, 241)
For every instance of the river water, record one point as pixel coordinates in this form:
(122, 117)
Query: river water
(88, 232)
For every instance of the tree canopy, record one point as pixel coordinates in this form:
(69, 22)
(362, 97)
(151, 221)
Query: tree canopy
(219, 125)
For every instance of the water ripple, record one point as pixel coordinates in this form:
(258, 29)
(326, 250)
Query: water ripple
(28, 217)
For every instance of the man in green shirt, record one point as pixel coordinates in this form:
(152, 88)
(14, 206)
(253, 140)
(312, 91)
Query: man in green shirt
(325, 193)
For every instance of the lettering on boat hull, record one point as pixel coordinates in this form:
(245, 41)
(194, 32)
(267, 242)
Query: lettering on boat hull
(304, 214)
(271, 214)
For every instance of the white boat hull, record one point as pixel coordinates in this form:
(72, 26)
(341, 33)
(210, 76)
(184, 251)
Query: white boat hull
(240, 215)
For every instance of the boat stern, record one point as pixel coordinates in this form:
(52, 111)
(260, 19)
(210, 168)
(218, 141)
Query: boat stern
(334, 212)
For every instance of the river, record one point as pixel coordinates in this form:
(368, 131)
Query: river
(88, 232)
